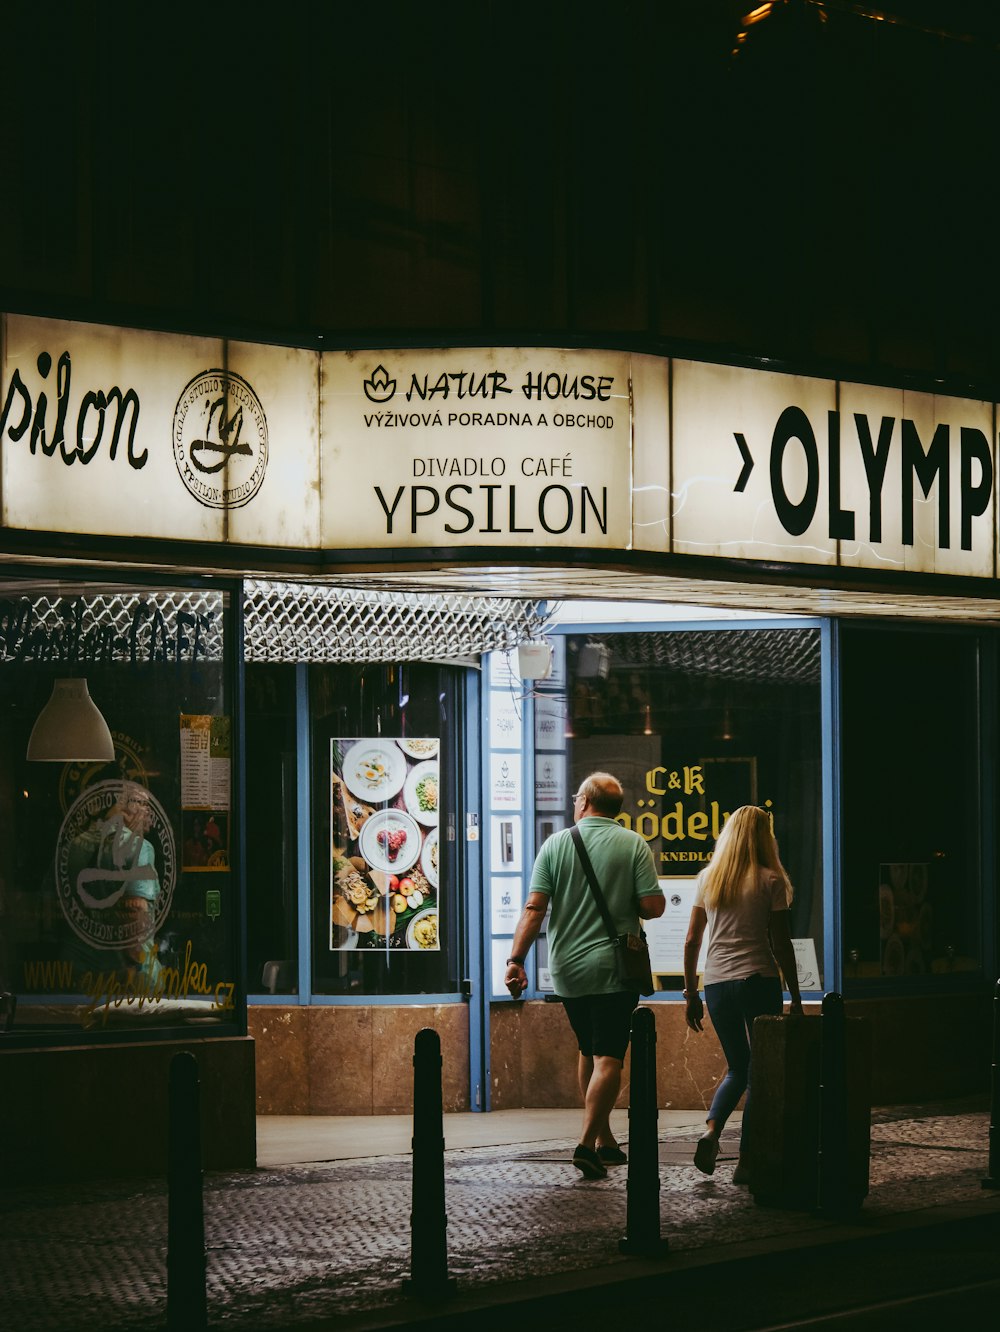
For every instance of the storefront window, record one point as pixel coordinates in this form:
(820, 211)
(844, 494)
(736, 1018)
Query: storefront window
(117, 897)
(386, 771)
(272, 826)
(910, 802)
(694, 724)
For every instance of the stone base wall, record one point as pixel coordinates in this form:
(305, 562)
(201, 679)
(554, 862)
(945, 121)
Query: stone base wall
(103, 1110)
(923, 1048)
(353, 1060)
(359, 1060)
(534, 1059)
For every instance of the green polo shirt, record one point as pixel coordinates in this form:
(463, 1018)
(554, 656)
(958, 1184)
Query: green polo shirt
(582, 958)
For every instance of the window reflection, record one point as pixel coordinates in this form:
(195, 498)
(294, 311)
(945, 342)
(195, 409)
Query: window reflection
(104, 923)
(694, 724)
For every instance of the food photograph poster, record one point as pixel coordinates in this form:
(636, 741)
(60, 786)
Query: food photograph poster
(384, 866)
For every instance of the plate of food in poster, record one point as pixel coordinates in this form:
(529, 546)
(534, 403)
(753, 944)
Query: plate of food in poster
(422, 931)
(421, 792)
(429, 857)
(419, 749)
(390, 841)
(374, 770)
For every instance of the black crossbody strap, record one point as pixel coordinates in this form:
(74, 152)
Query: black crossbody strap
(588, 870)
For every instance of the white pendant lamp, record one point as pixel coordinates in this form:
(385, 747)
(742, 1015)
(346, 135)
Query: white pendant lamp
(534, 660)
(70, 728)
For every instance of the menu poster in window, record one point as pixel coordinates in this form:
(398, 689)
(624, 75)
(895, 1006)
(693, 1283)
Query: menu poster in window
(206, 766)
(206, 759)
(385, 849)
(906, 919)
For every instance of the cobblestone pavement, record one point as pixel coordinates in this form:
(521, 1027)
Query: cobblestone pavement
(289, 1246)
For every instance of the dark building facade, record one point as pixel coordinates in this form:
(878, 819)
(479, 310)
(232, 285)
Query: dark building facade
(724, 204)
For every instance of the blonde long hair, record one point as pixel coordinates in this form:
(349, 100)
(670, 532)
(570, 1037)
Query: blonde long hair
(745, 846)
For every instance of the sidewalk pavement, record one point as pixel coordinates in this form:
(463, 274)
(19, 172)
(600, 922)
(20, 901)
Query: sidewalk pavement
(318, 1236)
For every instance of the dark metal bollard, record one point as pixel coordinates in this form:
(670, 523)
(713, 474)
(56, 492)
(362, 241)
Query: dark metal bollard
(429, 1277)
(992, 1180)
(642, 1215)
(186, 1297)
(833, 1189)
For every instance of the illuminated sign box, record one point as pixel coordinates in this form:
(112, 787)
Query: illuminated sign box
(128, 433)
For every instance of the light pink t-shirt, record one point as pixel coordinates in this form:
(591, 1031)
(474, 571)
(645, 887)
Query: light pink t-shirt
(737, 936)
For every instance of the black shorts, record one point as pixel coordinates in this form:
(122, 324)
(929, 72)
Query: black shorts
(602, 1022)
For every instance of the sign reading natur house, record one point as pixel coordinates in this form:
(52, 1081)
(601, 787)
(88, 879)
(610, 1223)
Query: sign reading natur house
(124, 432)
(498, 447)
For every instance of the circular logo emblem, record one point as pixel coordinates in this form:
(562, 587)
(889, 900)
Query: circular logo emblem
(220, 439)
(116, 865)
(77, 776)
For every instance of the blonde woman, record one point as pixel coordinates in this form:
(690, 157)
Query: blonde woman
(743, 898)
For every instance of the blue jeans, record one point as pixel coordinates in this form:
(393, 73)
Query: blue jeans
(732, 1006)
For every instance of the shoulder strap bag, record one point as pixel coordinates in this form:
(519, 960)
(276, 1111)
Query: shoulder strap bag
(632, 951)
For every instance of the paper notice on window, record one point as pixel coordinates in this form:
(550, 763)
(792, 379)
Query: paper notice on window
(666, 935)
(505, 895)
(806, 964)
(206, 761)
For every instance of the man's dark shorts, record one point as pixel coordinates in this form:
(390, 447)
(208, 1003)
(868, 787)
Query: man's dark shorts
(601, 1022)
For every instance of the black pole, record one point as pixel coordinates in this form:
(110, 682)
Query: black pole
(992, 1180)
(186, 1298)
(429, 1277)
(834, 1192)
(642, 1213)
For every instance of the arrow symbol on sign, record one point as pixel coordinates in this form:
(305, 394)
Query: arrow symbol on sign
(741, 484)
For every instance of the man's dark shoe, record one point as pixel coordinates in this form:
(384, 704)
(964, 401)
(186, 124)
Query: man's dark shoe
(612, 1155)
(589, 1163)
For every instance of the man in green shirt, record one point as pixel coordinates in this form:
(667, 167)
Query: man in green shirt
(582, 958)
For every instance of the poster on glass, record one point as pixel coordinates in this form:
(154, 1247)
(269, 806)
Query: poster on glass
(905, 919)
(384, 861)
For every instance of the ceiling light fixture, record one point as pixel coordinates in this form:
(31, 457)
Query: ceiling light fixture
(70, 728)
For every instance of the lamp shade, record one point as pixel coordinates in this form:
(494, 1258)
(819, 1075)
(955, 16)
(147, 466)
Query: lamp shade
(534, 661)
(70, 728)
